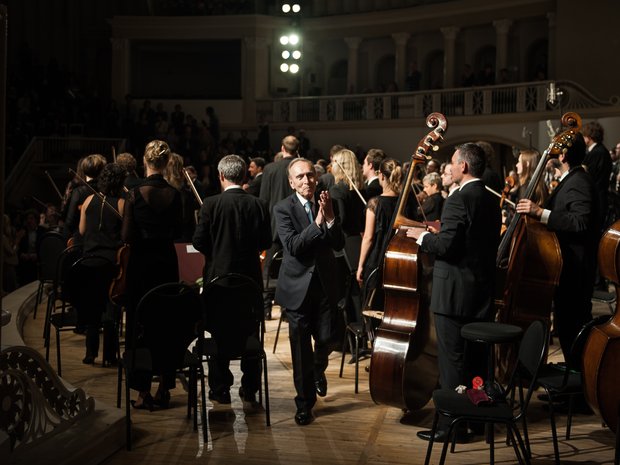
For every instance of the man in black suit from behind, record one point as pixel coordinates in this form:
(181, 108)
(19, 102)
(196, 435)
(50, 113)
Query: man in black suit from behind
(370, 168)
(234, 228)
(310, 232)
(571, 211)
(464, 272)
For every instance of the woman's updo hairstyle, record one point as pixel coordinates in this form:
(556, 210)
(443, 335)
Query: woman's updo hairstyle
(157, 154)
(393, 172)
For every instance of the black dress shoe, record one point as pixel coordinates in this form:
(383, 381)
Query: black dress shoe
(321, 385)
(222, 397)
(247, 395)
(303, 417)
(88, 360)
(462, 437)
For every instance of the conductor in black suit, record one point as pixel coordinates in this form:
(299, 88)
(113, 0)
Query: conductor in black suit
(310, 232)
(571, 211)
(464, 272)
(234, 228)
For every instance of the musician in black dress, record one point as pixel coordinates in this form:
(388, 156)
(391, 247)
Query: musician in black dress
(91, 166)
(377, 232)
(151, 222)
(100, 226)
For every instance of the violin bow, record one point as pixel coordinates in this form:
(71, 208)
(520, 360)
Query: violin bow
(351, 182)
(192, 187)
(97, 193)
(49, 176)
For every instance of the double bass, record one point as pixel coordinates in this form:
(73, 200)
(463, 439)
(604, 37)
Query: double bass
(529, 258)
(601, 376)
(403, 367)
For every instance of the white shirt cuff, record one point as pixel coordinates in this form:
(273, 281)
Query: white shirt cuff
(544, 218)
(419, 241)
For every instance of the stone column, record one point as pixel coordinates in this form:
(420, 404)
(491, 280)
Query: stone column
(502, 27)
(120, 69)
(449, 38)
(552, 44)
(354, 44)
(400, 62)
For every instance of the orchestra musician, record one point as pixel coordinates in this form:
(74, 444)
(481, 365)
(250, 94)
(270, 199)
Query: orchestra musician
(91, 166)
(233, 229)
(571, 212)
(464, 272)
(310, 232)
(431, 207)
(151, 222)
(100, 226)
(377, 232)
(526, 165)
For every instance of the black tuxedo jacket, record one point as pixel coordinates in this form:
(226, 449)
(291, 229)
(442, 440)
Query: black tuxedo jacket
(373, 189)
(233, 230)
(308, 249)
(465, 250)
(574, 219)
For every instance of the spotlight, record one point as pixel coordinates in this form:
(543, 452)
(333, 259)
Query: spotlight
(296, 55)
(284, 67)
(296, 8)
(293, 39)
(294, 68)
(284, 40)
(286, 54)
(286, 8)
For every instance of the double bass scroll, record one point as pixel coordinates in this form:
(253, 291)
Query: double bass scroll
(403, 368)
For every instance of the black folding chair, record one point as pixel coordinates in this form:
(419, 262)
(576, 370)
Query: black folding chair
(50, 247)
(244, 307)
(166, 322)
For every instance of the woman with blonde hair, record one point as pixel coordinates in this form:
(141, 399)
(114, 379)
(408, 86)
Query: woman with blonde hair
(176, 178)
(151, 222)
(377, 232)
(345, 193)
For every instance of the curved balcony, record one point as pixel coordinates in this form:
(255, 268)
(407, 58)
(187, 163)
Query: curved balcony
(521, 98)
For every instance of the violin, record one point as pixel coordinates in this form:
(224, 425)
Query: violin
(403, 366)
(118, 288)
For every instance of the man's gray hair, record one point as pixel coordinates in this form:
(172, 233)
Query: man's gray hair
(233, 168)
(300, 160)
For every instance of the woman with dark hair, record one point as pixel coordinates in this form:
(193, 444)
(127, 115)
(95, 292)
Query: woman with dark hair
(151, 222)
(379, 213)
(91, 166)
(100, 226)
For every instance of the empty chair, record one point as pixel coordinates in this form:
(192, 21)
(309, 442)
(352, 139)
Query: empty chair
(50, 247)
(565, 381)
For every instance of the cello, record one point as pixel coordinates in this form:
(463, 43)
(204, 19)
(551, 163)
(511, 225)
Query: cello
(403, 366)
(529, 257)
(601, 353)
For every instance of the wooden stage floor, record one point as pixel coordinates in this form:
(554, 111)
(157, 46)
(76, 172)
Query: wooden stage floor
(348, 429)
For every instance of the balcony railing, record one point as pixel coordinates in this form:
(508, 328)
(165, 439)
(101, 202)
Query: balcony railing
(531, 97)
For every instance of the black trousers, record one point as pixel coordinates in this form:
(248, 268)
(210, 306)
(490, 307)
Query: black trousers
(313, 320)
